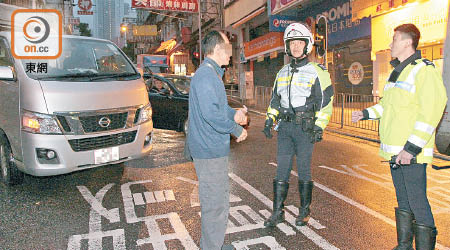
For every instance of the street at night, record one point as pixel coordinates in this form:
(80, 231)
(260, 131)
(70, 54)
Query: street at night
(152, 203)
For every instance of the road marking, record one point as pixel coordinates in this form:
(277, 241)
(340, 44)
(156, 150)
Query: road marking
(358, 205)
(282, 226)
(315, 224)
(138, 199)
(439, 205)
(195, 201)
(96, 235)
(117, 235)
(155, 237)
(310, 234)
(245, 225)
(112, 215)
(269, 241)
(157, 240)
(149, 197)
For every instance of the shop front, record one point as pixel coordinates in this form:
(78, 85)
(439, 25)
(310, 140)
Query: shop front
(349, 46)
(266, 57)
(429, 16)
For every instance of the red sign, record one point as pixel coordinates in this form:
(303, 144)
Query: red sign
(172, 5)
(84, 5)
(277, 6)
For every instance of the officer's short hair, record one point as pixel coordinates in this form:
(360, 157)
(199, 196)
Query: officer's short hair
(411, 31)
(210, 41)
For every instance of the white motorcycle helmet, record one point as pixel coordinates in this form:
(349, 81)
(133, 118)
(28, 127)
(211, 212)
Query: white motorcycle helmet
(298, 31)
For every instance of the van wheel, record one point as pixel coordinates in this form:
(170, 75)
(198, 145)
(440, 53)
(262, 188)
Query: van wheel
(10, 175)
(186, 126)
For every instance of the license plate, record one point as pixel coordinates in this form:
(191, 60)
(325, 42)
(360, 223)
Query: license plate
(105, 155)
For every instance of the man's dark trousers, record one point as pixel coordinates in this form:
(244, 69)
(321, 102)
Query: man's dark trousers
(292, 140)
(410, 183)
(214, 193)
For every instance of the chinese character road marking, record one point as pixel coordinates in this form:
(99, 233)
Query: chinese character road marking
(313, 236)
(269, 241)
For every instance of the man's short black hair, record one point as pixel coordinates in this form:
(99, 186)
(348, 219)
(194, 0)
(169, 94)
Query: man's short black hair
(210, 41)
(411, 31)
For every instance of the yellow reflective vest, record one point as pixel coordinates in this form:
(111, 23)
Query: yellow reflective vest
(412, 105)
(301, 88)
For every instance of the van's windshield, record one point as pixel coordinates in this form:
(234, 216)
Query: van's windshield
(83, 60)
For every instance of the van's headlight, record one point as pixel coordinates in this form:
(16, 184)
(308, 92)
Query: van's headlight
(145, 114)
(39, 123)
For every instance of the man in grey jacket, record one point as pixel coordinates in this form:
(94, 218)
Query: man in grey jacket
(211, 121)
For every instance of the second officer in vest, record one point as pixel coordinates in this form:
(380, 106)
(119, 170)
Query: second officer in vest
(301, 104)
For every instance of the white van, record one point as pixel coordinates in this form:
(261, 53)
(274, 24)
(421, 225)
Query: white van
(87, 108)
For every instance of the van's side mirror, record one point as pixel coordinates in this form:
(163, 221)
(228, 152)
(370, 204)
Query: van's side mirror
(7, 73)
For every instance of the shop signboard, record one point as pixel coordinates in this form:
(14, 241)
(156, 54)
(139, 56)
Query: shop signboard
(340, 25)
(170, 5)
(267, 43)
(85, 7)
(145, 30)
(356, 73)
(279, 23)
(431, 21)
(276, 6)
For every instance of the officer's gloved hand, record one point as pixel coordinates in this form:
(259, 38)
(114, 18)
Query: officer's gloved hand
(316, 134)
(267, 128)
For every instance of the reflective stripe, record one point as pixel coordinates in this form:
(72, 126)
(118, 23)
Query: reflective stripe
(412, 75)
(372, 114)
(414, 139)
(408, 86)
(428, 152)
(391, 149)
(379, 109)
(284, 79)
(321, 124)
(424, 127)
(272, 111)
(302, 84)
(322, 115)
(396, 149)
(389, 85)
(409, 83)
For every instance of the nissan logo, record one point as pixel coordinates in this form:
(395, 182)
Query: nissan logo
(104, 122)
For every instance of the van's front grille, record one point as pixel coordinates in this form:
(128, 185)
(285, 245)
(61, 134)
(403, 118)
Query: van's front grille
(104, 141)
(104, 122)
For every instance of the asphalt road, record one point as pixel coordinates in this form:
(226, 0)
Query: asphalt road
(152, 203)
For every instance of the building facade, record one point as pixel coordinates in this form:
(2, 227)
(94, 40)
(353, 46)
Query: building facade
(108, 15)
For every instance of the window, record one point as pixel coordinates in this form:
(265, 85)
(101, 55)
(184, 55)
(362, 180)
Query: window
(5, 56)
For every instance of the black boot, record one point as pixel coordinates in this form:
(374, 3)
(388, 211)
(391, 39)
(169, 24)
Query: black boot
(425, 237)
(404, 221)
(305, 190)
(280, 190)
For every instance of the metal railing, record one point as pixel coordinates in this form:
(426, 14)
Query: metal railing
(343, 106)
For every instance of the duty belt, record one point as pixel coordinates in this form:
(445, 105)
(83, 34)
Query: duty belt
(297, 117)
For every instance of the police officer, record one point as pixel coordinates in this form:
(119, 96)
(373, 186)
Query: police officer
(301, 104)
(412, 105)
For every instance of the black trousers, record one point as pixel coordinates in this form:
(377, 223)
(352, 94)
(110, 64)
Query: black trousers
(293, 141)
(411, 189)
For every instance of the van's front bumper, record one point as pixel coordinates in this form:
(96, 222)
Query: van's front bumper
(68, 160)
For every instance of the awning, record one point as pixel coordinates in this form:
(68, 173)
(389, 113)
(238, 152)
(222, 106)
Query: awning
(248, 17)
(366, 8)
(167, 45)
